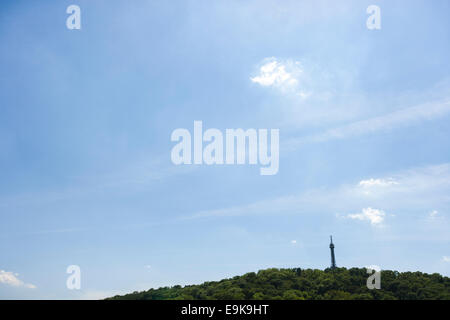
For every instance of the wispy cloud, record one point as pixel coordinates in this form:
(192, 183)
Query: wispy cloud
(390, 121)
(446, 259)
(125, 179)
(411, 190)
(433, 214)
(11, 279)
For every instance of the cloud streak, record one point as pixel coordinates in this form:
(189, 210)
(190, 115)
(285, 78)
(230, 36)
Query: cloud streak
(133, 177)
(414, 190)
(390, 121)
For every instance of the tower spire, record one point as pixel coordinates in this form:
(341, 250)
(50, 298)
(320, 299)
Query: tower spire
(333, 259)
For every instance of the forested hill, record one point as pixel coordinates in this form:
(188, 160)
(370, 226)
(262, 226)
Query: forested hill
(340, 283)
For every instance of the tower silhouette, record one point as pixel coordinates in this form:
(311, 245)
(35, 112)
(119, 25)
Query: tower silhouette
(333, 259)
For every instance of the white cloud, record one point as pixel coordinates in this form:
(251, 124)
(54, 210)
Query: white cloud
(294, 241)
(375, 216)
(372, 185)
(377, 183)
(283, 75)
(433, 214)
(11, 279)
(446, 259)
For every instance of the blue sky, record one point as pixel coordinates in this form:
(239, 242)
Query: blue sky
(86, 117)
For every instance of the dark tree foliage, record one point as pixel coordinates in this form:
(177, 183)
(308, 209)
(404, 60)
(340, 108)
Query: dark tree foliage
(303, 284)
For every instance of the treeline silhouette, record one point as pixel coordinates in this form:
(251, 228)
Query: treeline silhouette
(306, 284)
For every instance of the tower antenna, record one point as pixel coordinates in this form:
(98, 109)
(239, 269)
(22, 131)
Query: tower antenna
(333, 259)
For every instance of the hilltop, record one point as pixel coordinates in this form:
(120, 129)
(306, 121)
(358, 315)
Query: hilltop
(307, 284)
